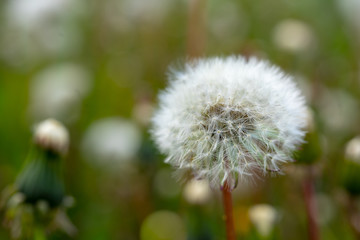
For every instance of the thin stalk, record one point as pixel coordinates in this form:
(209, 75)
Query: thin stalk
(196, 35)
(353, 216)
(311, 208)
(228, 213)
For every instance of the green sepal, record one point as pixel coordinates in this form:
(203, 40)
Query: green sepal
(350, 177)
(41, 178)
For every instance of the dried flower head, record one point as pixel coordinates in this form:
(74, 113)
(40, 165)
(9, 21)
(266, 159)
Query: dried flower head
(225, 119)
(52, 135)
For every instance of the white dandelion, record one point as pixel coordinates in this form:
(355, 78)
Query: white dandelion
(339, 109)
(111, 143)
(30, 14)
(293, 36)
(51, 134)
(40, 30)
(263, 216)
(197, 192)
(349, 9)
(228, 119)
(127, 14)
(58, 92)
(352, 150)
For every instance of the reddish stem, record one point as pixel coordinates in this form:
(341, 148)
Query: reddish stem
(353, 216)
(196, 35)
(228, 212)
(311, 208)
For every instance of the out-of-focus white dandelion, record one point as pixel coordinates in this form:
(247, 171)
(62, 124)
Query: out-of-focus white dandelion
(24, 48)
(225, 120)
(58, 92)
(293, 36)
(233, 28)
(38, 29)
(30, 14)
(351, 167)
(123, 15)
(339, 110)
(51, 134)
(352, 150)
(263, 216)
(197, 192)
(350, 10)
(152, 11)
(111, 142)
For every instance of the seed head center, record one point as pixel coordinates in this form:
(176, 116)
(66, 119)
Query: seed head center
(227, 122)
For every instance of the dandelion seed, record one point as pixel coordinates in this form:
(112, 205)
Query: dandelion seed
(226, 120)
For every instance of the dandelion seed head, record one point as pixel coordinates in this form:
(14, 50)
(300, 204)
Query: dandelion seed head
(293, 36)
(352, 150)
(263, 216)
(52, 135)
(197, 192)
(111, 143)
(226, 120)
(58, 92)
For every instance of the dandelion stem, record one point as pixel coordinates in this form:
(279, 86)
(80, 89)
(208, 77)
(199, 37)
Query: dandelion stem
(196, 29)
(310, 203)
(228, 212)
(353, 216)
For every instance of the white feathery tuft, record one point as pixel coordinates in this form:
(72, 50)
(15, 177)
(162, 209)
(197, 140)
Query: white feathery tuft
(227, 119)
(51, 134)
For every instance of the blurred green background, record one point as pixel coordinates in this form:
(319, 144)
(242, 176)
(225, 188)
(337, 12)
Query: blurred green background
(97, 66)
